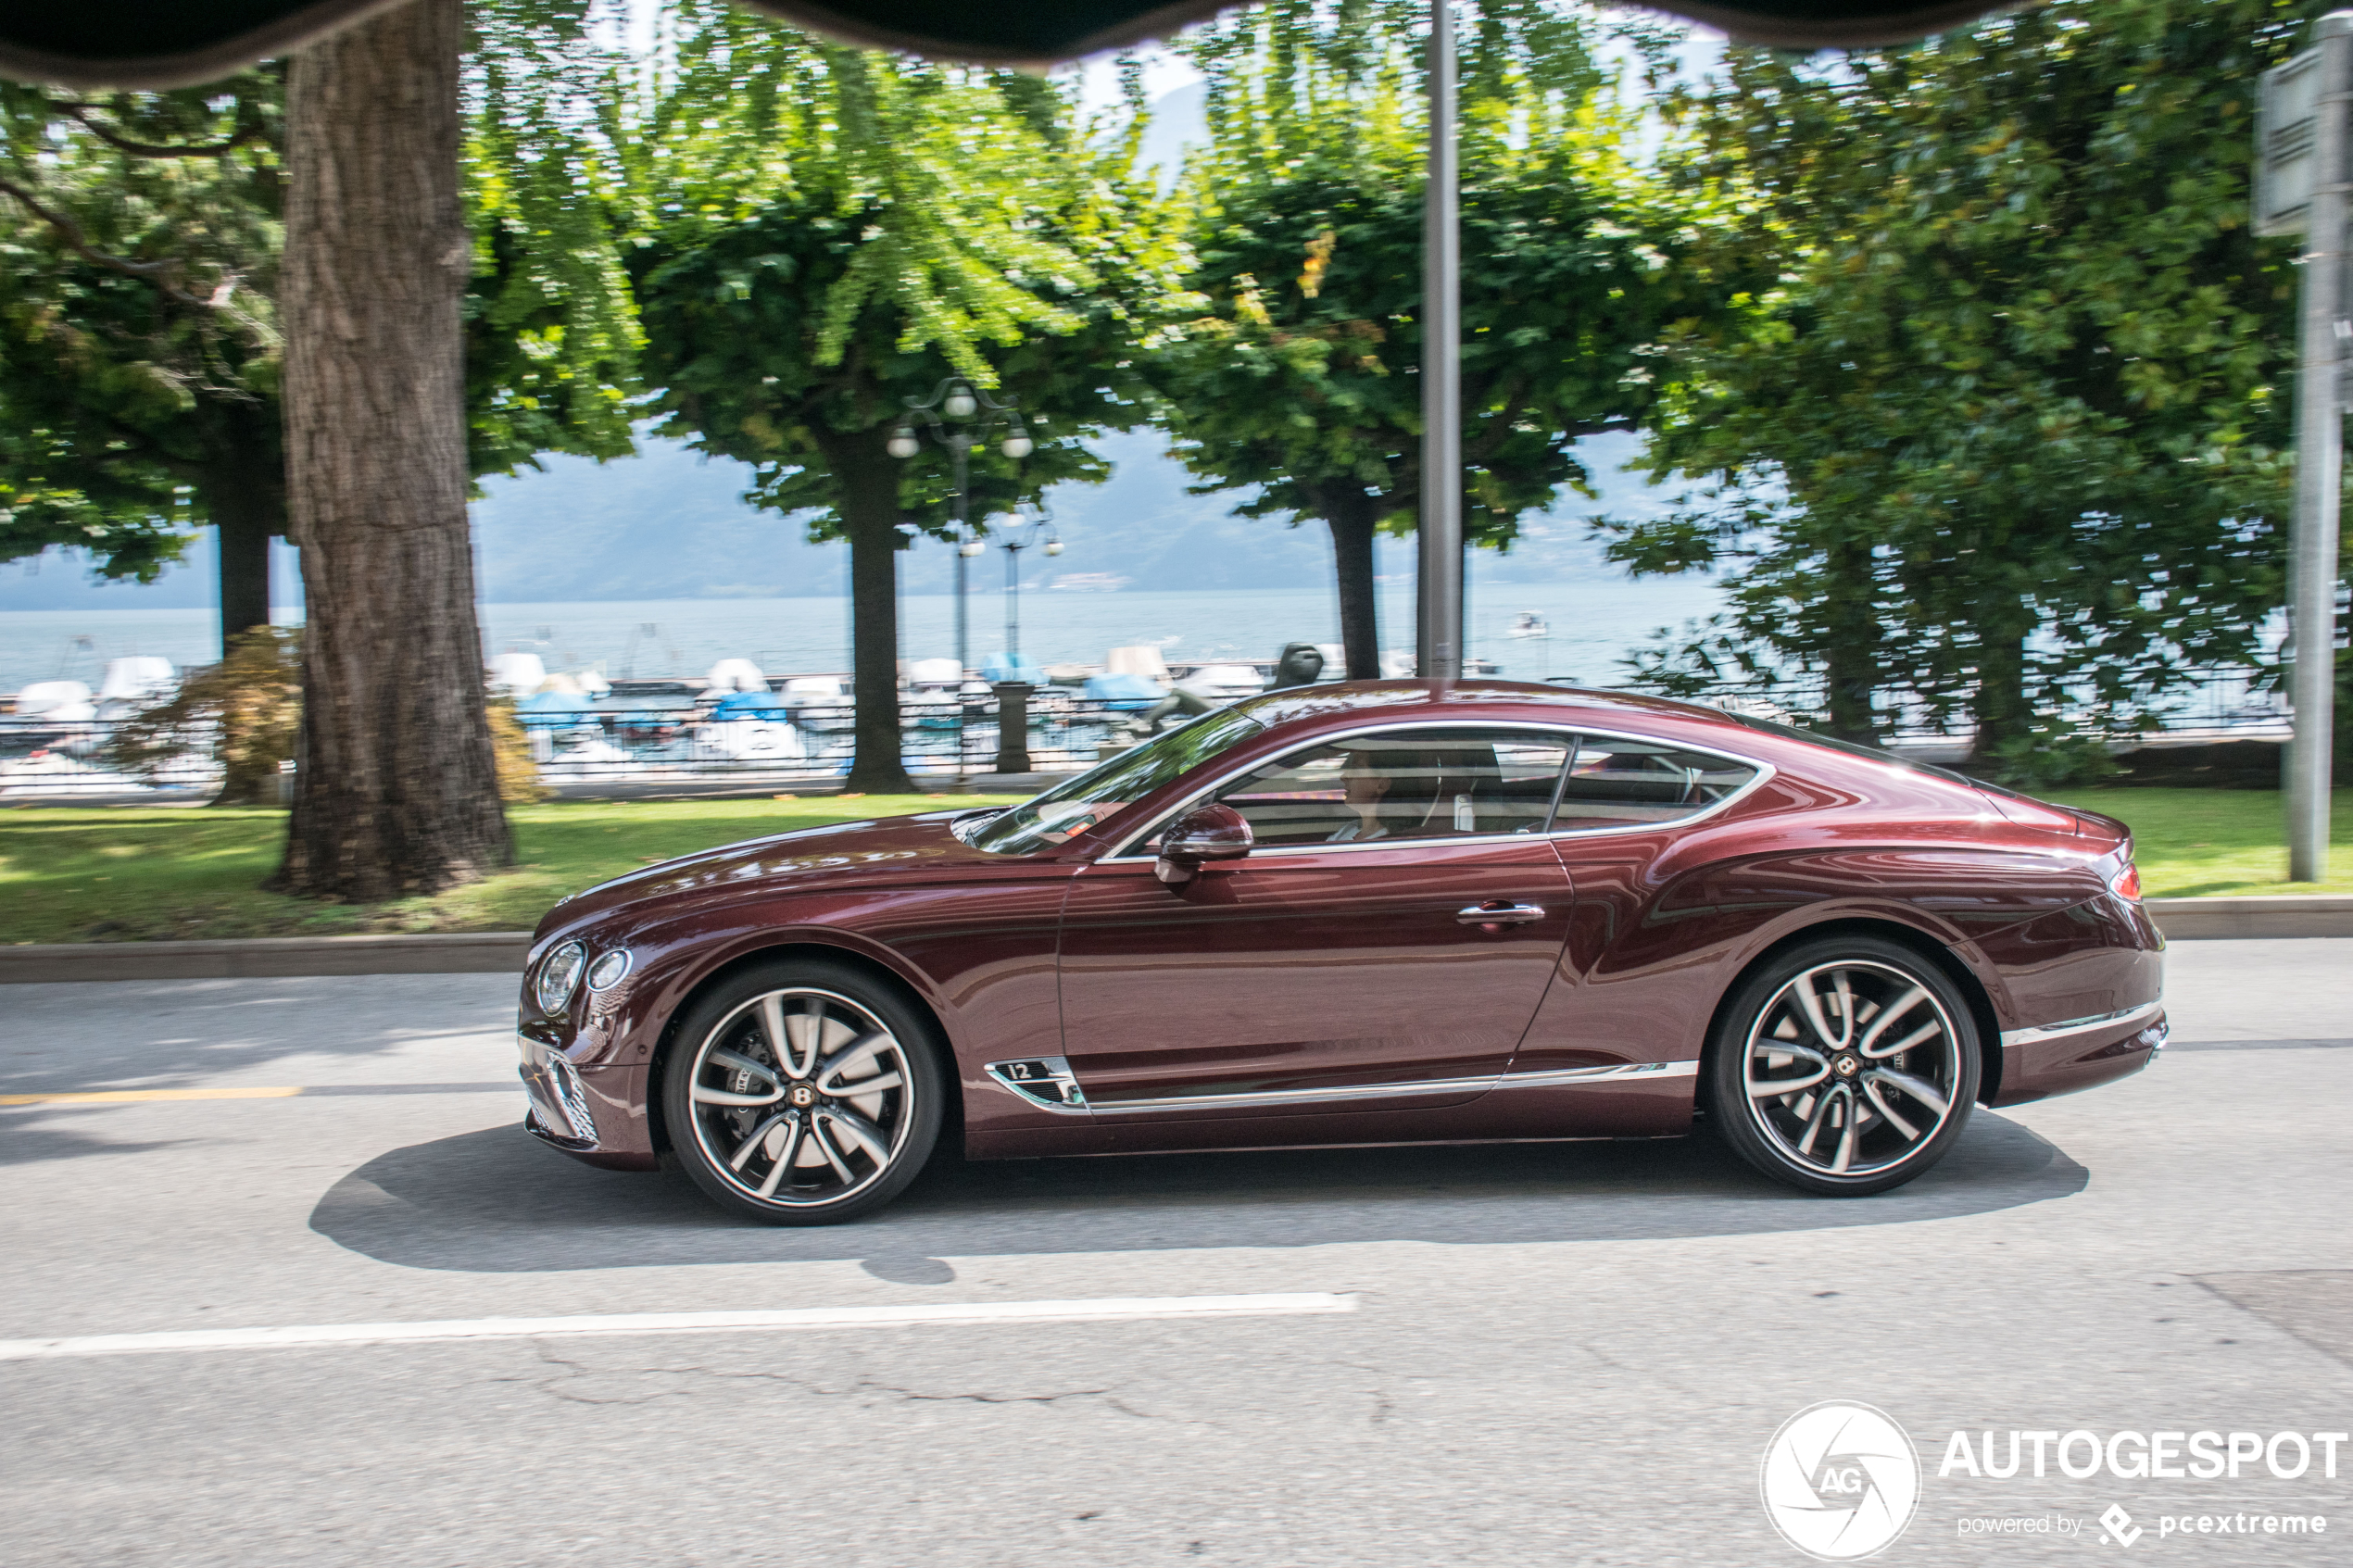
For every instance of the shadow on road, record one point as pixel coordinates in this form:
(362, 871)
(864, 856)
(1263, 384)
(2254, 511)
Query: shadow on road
(495, 1201)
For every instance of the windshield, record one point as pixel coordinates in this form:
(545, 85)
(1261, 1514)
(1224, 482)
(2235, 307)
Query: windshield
(1113, 784)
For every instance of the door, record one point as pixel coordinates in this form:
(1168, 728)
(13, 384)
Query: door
(1627, 994)
(1343, 964)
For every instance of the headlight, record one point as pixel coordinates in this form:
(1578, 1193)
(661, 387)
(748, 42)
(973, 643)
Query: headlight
(607, 971)
(557, 974)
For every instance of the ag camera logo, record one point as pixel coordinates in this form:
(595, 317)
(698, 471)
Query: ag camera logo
(1840, 1481)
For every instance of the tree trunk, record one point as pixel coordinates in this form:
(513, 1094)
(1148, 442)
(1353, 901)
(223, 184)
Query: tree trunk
(1851, 645)
(244, 493)
(2000, 706)
(869, 505)
(397, 792)
(1350, 512)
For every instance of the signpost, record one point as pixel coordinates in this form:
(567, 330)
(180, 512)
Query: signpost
(2302, 178)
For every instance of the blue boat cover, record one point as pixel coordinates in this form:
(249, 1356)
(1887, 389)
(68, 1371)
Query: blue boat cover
(551, 711)
(1123, 687)
(752, 705)
(1015, 668)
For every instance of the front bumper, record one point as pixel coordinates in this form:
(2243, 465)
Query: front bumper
(560, 1112)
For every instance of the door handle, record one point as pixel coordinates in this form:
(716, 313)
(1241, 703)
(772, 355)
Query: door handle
(1494, 916)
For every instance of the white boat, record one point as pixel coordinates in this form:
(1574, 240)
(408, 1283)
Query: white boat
(139, 680)
(1223, 682)
(516, 674)
(57, 701)
(734, 675)
(1527, 623)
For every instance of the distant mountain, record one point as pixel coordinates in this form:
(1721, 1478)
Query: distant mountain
(62, 580)
(668, 523)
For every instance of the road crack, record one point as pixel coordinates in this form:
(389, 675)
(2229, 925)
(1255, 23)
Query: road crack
(567, 1370)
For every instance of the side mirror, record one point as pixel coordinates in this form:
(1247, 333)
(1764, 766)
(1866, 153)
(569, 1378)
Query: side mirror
(1201, 835)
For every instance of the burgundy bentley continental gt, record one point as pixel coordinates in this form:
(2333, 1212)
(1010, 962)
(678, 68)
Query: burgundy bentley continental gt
(1363, 913)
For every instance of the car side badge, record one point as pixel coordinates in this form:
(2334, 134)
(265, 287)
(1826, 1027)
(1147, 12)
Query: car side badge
(1042, 1080)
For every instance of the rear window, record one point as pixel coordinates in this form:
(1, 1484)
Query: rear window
(1616, 783)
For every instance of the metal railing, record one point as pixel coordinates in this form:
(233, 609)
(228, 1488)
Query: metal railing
(943, 738)
(812, 743)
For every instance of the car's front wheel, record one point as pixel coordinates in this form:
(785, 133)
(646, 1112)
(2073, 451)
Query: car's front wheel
(1844, 1066)
(804, 1093)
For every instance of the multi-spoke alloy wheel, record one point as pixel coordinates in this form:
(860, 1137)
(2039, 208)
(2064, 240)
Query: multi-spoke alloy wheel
(802, 1093)
(1847, 1066)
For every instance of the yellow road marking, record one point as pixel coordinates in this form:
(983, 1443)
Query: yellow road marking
(110, 1095)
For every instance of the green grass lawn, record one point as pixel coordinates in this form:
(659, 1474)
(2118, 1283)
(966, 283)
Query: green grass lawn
(146, 873)
(142, 873)
(2193, 843)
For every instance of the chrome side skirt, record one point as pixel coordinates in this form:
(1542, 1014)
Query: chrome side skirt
(1047, 1082)
(1566, 1076)
(2080, 1025)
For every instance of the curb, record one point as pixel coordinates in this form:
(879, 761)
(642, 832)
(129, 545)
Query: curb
(2286, 914)
(501, 952)
(462, 952)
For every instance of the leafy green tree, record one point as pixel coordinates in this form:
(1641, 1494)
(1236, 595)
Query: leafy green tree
(830, 234)
(245, 710)
(397, 791)
(1296, 370)
(138, 340)
(140, 350)
(2007, 434)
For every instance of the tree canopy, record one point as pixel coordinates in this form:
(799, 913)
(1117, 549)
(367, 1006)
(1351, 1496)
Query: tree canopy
(2006, 431)
(139, 237)
(141, 353)
(827, 234)
(1296, 369)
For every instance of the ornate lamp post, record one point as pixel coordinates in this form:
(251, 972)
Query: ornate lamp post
(1013, 697)
(960, 416)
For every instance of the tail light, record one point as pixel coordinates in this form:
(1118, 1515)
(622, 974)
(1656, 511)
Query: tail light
(2128, 883)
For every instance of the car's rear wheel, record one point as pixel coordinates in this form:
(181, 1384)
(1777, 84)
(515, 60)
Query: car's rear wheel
(804, 1093)
(1844, 1066)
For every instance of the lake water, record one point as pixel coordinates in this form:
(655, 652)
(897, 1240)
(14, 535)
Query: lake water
(1593, 623)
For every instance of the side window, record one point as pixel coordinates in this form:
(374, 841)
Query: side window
(1615, 783)
(1438, 783)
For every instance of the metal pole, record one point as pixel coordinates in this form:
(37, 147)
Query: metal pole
(963, 655)
(2320, 454)
(1012, 601)
(1439, 640)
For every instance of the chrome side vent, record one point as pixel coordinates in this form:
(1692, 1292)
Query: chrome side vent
(1041, 1080)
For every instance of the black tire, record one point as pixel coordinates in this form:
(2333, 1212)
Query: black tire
(1859, 1116)
(826, 1122)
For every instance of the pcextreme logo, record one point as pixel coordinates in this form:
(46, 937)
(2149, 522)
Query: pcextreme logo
(1840, 1481)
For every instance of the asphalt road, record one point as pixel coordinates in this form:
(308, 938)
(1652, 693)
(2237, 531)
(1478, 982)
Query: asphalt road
(1557, 1354)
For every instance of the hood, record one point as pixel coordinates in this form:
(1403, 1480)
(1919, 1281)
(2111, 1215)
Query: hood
(871, 853)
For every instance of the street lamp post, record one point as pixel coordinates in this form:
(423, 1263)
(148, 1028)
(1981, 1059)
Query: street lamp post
(1013, 695)
(969, 415)
(1438, 643)
(1043, 521)
(2304, 184)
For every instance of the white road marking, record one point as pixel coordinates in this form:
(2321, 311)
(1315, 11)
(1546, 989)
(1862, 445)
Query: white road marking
(1104, 1310)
